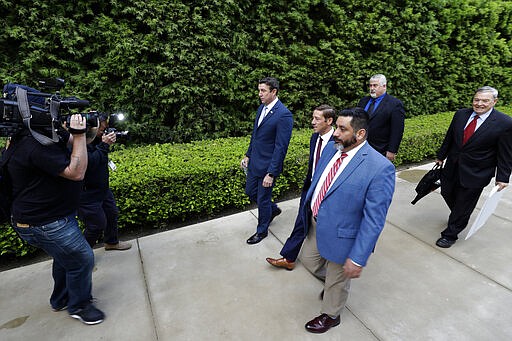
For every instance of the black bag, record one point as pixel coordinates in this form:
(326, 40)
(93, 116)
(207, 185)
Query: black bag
(428, 183)
(10, 93)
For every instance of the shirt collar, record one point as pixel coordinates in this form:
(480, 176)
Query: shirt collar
(483, 116)
(271, 105)
(327, 136)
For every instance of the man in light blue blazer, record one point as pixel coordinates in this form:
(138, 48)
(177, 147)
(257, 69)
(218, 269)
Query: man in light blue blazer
(265, 156)
(346, 208)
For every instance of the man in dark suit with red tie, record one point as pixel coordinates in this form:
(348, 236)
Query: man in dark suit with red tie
(265, 156)
(323, 119)
(477, 147)
(387, 117)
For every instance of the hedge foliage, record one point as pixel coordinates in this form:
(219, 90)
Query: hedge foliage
(163, 183)
(188, 70)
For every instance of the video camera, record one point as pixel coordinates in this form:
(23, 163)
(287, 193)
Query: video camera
(113, 127)
(42, 113)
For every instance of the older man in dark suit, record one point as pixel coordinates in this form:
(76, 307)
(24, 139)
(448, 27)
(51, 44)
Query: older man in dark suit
(265, 156)
(387, 116)
(323, 119)
(477, 147)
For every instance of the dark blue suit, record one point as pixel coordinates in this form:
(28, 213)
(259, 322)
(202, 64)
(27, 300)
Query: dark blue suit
(386, 125)
(470, 167)
(291, 248)
(266, 153)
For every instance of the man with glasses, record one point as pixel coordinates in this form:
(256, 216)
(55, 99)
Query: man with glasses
(478, 147)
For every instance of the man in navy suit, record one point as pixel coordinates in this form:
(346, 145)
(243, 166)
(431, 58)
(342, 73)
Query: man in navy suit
(345, 210)
(387, 116)
(478, 147)
(265, 156)
(323, 119)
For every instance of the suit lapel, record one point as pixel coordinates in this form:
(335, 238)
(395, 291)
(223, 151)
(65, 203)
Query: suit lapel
(483, 127)
(382, 103)
(349, 169)
(329, 152)
(270, 113)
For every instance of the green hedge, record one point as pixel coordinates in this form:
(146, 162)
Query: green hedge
(163, 183)
(188, 70)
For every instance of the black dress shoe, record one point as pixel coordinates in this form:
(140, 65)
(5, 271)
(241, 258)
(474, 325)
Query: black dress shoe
(256, 238)
(322, 323)
(275, 213)
(445, 243)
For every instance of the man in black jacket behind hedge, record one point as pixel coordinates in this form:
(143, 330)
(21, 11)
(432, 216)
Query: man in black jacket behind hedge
(387, 118)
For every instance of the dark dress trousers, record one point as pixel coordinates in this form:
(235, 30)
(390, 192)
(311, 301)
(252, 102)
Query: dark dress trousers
(470, 167)
(386, 125)
(291, 248)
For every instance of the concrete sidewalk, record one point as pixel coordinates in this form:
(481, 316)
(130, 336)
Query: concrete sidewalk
(203, 282)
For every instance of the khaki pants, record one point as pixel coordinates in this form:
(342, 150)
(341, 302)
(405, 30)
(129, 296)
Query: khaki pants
(336, 286)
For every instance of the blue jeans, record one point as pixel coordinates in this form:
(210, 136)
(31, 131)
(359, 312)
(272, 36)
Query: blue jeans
(73, 260)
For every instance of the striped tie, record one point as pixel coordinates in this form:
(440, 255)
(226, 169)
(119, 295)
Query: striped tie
(327, 183)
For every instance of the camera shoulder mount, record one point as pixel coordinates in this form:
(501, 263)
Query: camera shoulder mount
(24, 108)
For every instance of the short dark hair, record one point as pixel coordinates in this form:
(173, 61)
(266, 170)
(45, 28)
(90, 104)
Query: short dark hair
(359, 116)
(271, 82)
(327, 111)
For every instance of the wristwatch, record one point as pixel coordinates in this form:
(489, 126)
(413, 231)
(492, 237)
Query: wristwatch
(271, 175)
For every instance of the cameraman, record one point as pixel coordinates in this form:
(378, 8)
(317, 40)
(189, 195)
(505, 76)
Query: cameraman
(98, 209)
(46, 183)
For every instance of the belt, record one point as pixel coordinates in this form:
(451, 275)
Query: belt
(22, 225)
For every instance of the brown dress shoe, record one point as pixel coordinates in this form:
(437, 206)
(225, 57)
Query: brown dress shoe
(322, 323)
(121, 246)
(281, 263)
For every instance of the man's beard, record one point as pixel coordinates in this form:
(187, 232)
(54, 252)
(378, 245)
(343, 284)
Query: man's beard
(373, 95)
(341, 145)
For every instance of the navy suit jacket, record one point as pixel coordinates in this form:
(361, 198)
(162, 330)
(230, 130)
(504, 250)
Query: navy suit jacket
(353, 211)
(312, 145)
(386, 125)
(487, 153)
(269, 141)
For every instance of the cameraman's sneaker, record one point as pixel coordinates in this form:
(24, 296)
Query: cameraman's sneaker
(89, 315)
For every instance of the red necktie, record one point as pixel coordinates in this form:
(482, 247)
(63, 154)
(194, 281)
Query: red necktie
(318, 150)
(470, 129)
(327, 183)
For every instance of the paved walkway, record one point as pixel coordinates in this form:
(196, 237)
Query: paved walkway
(203, 282)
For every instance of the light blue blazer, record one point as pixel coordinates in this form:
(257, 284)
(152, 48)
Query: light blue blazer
(353, 212)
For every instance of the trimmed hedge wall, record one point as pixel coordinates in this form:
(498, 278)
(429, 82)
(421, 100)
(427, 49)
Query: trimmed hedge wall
(188, 70)
(163, 183)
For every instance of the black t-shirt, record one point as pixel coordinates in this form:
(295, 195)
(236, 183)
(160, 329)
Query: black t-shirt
(96, 179)
(40, 195)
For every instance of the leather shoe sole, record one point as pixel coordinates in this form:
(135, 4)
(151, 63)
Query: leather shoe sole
(281, 263)
(256, 238)
(322, 323)
(444, 243)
